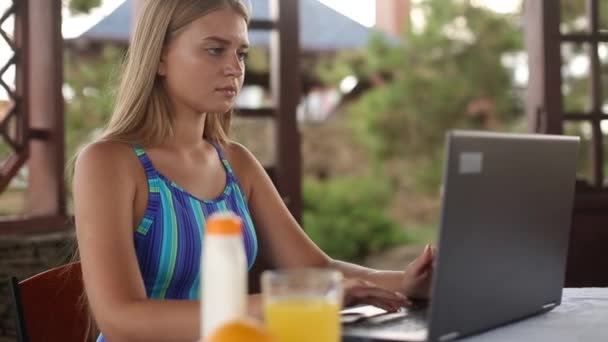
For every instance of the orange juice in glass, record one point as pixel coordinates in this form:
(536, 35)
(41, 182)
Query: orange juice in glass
(303, 304)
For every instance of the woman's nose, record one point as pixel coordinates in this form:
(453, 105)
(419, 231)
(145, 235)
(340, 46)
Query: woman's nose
(235, 66)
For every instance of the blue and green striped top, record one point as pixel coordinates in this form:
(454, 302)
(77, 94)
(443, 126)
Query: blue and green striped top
(168, 240)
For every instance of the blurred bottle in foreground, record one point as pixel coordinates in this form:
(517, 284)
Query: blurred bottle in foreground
(224, 272)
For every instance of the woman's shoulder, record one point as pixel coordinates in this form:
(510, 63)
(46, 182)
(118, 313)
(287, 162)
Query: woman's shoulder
(237, 153)
(107, 157)
(243, 162)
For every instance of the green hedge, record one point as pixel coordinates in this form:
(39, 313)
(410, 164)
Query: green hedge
(346, 217)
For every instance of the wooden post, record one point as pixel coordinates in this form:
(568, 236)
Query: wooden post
(392, 16)
(595, 95)
(285, 86)
(46, 191)
(542, 18)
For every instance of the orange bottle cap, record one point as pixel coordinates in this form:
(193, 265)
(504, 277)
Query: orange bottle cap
(224, 224)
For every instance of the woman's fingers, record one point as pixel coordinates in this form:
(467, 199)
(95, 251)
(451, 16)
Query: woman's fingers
(363, 288)
(391, 307)
(372, 292)
(360, 291)
(422, 262)
(419, 273)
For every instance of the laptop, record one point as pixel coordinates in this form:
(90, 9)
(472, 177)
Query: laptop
(503, 239)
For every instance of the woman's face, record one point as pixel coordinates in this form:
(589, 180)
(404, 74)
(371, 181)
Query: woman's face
(203, 66)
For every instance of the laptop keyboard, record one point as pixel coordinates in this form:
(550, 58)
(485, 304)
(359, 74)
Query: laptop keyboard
(401, 321)
(403, 325)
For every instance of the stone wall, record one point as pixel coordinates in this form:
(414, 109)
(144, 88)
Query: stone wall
(23, 256)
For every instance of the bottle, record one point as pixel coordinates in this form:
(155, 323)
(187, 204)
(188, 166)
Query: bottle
(224, 272)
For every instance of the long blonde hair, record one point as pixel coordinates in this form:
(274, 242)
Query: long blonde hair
(142, 112)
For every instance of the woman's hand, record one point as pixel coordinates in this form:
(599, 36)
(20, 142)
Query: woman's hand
(418, 275)
(254, 307)
(359, 291)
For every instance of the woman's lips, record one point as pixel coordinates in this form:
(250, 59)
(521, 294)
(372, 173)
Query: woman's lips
(227, 92)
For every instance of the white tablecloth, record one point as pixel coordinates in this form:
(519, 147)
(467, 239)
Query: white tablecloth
(582, 316)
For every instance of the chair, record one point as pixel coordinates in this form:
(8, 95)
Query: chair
(48, 307)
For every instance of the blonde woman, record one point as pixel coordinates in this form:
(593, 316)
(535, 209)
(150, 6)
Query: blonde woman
(164, 163)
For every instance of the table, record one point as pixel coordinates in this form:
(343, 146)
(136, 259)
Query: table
(582, 316)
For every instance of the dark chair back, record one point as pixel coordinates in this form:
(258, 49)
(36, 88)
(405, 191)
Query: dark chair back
(48, 306)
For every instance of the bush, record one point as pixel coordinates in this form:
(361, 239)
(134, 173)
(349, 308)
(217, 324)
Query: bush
(346, 217)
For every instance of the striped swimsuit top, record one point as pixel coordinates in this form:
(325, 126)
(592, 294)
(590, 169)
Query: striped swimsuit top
(168, 239)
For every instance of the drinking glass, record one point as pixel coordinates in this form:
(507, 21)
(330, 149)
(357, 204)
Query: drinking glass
(303, 305)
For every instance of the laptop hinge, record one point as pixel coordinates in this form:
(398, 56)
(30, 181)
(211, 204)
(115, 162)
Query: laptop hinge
(448, 337)
(549, 306)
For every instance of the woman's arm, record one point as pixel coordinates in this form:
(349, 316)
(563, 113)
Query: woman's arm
(285, 242)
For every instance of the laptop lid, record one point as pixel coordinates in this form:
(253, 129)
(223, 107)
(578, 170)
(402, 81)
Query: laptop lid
(504, 229)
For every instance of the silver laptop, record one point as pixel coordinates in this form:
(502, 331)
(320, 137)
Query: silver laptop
(503, 239)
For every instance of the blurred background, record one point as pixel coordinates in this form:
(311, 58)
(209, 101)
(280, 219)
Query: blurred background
(381, 83)
(385, 79)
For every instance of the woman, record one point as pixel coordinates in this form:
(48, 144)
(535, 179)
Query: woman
(164, 163)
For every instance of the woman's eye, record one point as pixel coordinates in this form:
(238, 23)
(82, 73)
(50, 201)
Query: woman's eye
(243, 55)
(215, 51)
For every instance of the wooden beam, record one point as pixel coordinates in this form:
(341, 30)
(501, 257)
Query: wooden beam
(10, 167)
(595, 96)
(591, 117)
(15, 137)
(544, 103)
(45, 195)
(584, 37)
(262, 25)
(285, 87)
(40, 224)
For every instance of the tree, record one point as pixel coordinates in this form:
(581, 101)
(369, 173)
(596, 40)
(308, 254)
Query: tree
(87, 85)
(89, 99)
(573, 14)
(81, 6)
(445, 74)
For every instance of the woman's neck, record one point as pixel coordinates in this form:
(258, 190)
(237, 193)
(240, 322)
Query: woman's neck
(188, 130)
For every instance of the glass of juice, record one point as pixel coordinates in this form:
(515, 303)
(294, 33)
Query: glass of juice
(303, 305)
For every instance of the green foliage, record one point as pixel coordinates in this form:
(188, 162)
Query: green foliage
(90, 81)
(573, 13)
(346, 217)
(429, 81)
(82, 6)
(258, 60)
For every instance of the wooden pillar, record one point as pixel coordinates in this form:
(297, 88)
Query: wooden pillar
(542, 35)
(392, 16)
(595, 95)
(285, 86)
(46, 191)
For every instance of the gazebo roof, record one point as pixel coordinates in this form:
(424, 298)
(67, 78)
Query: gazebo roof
(321, 28)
